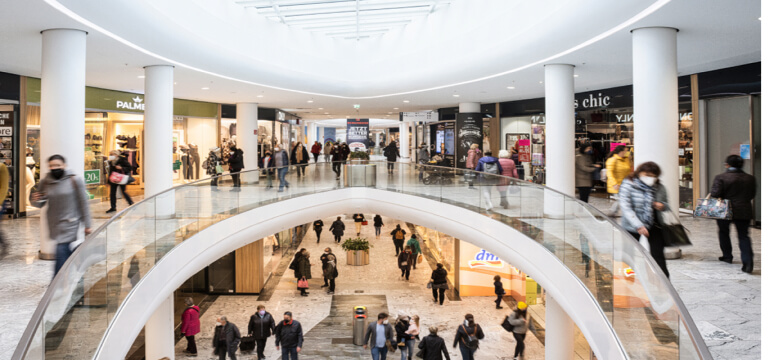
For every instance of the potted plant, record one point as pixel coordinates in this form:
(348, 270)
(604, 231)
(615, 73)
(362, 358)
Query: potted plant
(357, 251)
(359, 157)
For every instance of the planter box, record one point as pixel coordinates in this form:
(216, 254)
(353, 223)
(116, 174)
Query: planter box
(358, 257)
(362, 175)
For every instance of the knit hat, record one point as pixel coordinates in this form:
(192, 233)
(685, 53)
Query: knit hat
(522, 306)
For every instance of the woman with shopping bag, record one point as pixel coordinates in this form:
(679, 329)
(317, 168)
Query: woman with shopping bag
(119, 176)
(302, 271)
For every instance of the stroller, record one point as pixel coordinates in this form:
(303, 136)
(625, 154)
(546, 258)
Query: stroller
(437, 173)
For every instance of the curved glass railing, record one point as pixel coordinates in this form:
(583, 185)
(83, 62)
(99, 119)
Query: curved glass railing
(646, 313)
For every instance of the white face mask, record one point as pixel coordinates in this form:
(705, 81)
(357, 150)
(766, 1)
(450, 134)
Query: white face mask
(385, 322)
(262, 312)
(112, 157)
(648, 180)
(466, 322)
(277, 149)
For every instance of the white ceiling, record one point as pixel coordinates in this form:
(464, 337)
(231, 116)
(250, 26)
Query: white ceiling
(470, 51)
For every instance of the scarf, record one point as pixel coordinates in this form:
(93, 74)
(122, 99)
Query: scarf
(645, 209)
(299, 153)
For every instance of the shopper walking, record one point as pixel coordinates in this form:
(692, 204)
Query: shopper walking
(516, 158)
(118, 163)
(327, 151)
(520, 324)
(281, 163)
(316, 149)
(64, 194)
(300, 158)
(337, 157)
(323, 264)
(433, 346)
(398, 237)
(415, 246)
(377, 337)
(412, 334)
(301, 269)
(422, 158)
(585, 169)
(235, 165)
(468, 337)
(318, 227)
(358, 218)
(617, 167)
(345, 151)
(643, 198)
(331, 272)
(391, 153)
(337, 228)
(377, 224)
(490, 168)
(226, 337)
(404, 262)
(261, 327)
(212, 165)
(407, 330)
(509, 171)
(739, 188)
(473, 156)
(267, 164)
(439, 283)
(190, 325)
(290, 336)
(498, 289)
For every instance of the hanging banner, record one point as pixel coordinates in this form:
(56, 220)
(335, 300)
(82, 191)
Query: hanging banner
(470, 131)
(524, 150)
(329, 134)
(357, 134)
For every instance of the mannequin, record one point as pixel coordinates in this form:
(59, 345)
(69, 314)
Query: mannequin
(30, 175)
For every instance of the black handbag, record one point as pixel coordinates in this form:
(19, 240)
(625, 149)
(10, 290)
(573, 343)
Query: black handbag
(420, 354)
(674, 233)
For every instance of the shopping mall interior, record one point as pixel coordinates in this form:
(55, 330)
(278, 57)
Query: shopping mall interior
(564, 173)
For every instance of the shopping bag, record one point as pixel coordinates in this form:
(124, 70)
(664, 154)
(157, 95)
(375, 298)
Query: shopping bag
(303, 283)
(365, 222)
(644, 243)
(713, 208)
(120, 179)
(420, 259)
(675, 234)
(219, 169)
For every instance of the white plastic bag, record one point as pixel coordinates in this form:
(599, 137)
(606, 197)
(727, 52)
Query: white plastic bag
(644, 243)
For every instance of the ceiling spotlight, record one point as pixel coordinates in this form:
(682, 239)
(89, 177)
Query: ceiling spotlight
(541, 82)
(511, 87)
(310, 101)
(319, 108)
(456, 95)
(205, 88)
(141, 76)
(575, 75)
(259, 96)
(396, 108)
(326, 113)
(406, 101)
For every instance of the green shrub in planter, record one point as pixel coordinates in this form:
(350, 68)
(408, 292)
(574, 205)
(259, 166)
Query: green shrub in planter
(356, 244)
(359, 155)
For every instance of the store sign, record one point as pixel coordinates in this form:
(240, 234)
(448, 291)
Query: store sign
(614, 145)
(485, 259)
(420, 116)
(539, 119)
(592, 101)
(357, 134)
(628, 272)
(92, 177)
(524, 150)
(136, 103)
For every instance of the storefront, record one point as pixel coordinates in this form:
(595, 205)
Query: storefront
(11, 152)
(275, 127)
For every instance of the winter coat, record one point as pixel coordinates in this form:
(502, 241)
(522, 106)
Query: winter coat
(404, 258)
(422, 156)
(463, 332)
(316, 148)
(303, 268)
(317, 225)
(289, 335)
(190, 321)
(391, 153)
(330, 267)
(498, 289)
(488, 160)
(261, 327)
(738, 187)
(236, 161)
(281, 159)
(439, 276)
(519, 325)
(616, 169)
(231, 335)
(434, 348)
(327, 149)
(377, 221)
(414, 244)
(400, 328)
(508, 169)
(584, 170)
(394, 234)
(472, 158)
(358, 217)
(210, 163)
(345, 151)
(123, 163)
(270, 164)
(337, 228)
(336, 154)
(304, 154)
(370, 334)
(636, 208)
(67, 204)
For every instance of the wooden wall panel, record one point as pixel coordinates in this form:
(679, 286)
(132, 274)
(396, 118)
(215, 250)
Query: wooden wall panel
(248, 268)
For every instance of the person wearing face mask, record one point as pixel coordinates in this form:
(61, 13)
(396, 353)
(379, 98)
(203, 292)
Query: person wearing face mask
(226, 337)
(190, 325)
(300, 158)
(584, 170)
(379, 337)
(261, 327)
(282, 162)
(643, 198)
(468, 337)
(330, 271)
(337, 157)
(117, 163)
(235, 165)
(288, 333)
(64, 194)
(617, 168)
(267, 164)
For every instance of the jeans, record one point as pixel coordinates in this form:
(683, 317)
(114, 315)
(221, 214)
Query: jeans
(466, 353)
(414, 258)
(390, 166)
(294, 355)
(520, 347)
(405, 271)
(191, 345)
(337, 168)
(269, 179)
(235, 178)
(301, 170)
(62, 254)
(656, 241)
(315, 155)
(378, 230)
(223, 352)
(379, 353)
(261, 344)
(409, 347)
(318, 234)
(498, 299)
(442, 294)
(584, 192)
(745, 243)
(398, 246)
(281, 176)
(337, 238)
(113, 195)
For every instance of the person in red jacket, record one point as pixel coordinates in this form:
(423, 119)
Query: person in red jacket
(190, 325)
(316, 149)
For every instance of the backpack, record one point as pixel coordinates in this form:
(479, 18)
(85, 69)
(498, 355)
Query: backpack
(399, 235)
(491, 168)
(472, 342)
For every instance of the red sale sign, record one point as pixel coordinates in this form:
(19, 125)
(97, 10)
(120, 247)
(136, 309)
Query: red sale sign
(524, 154)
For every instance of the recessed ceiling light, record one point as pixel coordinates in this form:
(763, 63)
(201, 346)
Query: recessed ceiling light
(326, 113)
(390, 112)
(310, 101)
(575, 75)
(396, 108)
(319, 108)
(541, 82)
(406, 101)
(205, 88)
(174, 83)
(511, 87)
(259, 96)
(141, 76)
(456, 95)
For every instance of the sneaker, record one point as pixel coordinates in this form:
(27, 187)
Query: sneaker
(499, 307)
(329, 292)
(324, 286)
(304, 294)
(111, 211)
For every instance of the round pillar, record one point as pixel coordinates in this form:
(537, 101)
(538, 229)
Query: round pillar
(158, 138)
(561, 129)
(248, 140)
(158, 332)
(559, 337)
(404, 155)
(62, 109)
(654, 75)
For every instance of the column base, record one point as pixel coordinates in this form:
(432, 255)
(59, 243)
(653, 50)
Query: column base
(43, 256)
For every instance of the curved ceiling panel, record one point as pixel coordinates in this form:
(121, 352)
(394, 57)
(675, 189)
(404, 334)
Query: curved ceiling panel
(460, 43)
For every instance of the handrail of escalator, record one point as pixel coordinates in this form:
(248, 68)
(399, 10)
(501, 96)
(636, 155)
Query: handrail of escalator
(698, 341)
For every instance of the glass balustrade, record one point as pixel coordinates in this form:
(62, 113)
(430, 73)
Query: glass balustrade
(645, 311)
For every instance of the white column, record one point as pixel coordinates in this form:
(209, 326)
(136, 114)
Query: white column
(248, 139)
(561, 129)
(62, 109)
(404, 155)
(158, 332)
(414, 143)
(559, 337)
(158, 137)
(311, 134)
(654, 73)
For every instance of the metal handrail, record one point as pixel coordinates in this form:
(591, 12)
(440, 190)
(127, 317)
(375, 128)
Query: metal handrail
(688, 322)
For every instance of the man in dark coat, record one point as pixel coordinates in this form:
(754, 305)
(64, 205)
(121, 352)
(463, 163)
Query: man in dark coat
(235, 165)
(288, 333)
(398, 237)
(337, 158)
(324, 262)
(434, 346)
(226, 337)
(318, 227)
(391, 153)
(739, 188)
(261, 327)
(337, 228)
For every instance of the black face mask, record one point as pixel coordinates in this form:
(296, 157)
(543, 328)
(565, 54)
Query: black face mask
(57, 173)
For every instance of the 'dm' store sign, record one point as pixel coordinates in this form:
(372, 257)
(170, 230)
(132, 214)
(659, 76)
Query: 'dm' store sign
(485, 259)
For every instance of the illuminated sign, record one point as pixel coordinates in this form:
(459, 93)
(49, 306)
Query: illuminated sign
(628, 272)
(484, 258)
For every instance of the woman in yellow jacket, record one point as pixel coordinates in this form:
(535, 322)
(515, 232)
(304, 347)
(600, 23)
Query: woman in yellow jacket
(617, 168)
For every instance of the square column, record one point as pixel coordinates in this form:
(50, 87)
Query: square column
(248, 139)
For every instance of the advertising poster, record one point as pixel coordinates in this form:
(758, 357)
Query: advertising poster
(357, 134)
(329, 134)
(470, 131)
(524, 150)
(614, 145)
(450, 144)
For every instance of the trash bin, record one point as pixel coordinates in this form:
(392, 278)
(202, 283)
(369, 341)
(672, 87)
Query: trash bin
(360, 316)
